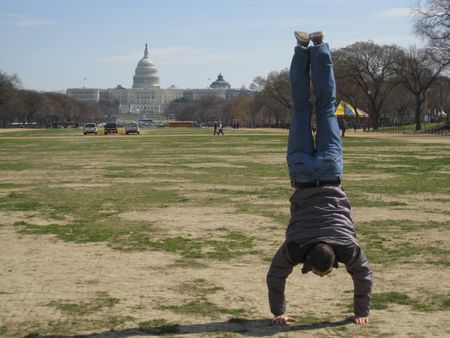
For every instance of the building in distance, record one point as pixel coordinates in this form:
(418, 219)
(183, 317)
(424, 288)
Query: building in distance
(146, 96)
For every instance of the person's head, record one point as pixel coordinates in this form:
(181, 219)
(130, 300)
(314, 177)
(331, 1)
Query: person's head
(321, 257)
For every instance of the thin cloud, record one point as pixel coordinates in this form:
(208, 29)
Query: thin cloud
(394, 13)
(26, 21)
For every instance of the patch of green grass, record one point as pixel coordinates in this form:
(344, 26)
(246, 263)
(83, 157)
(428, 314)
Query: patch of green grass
(427, 303)
(446, 303)
(361, 201)
(203, 308)
(19, 166)
(381, 301)
(402, 185)
(441, 262)
(341, 329)
(100, 302)
(11, 185)
(74, 232)
(122, 174)
(190, 263)
(219, 334)
(383, 241)
(138, 237)
(436, 302)
(199, 288)
(88, 203)
(224, 248)
(231, 192)
(307, 319)
(67, 327)
(19, 201)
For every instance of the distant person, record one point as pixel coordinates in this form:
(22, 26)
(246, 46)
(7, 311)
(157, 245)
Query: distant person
(320, 233)
(355, 125)
(215, 128)
(220, 129)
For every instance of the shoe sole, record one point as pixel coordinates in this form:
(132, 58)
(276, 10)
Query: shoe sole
(316, 37)
(302, 38)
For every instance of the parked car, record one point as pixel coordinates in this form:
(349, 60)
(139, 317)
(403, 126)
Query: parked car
(90, 128)
(132, 128)
(110, 128)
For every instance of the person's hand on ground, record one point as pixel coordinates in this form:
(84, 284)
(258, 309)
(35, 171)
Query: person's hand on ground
(359, 320)
(282, 320)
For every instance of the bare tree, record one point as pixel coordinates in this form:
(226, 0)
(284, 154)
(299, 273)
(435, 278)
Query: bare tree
(400, 107)
(241, 107)
(367, 66)
(432, 22)
(9, 102)
(276, 87)
(417, 70)
(273, 97)
(32, 101)
(348, 91)
(255, 109)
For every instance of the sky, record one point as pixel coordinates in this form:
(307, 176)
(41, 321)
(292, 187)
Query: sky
(53, 45)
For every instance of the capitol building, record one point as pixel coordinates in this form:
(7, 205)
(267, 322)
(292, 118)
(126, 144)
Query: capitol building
(146, 96)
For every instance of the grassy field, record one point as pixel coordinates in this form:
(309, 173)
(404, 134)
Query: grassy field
(171, 233)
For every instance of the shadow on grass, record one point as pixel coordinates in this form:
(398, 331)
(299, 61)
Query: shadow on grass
(246, 327)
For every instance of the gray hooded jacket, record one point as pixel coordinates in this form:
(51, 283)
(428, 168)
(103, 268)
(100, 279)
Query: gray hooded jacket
(320, 214)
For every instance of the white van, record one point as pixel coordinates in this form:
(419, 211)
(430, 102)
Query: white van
(90, 128)
(132, 128)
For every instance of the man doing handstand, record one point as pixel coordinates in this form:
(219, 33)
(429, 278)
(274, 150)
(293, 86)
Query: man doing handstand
(320, 233)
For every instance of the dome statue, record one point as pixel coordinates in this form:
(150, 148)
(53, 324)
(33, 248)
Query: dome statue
(146, 74)
(220, 83)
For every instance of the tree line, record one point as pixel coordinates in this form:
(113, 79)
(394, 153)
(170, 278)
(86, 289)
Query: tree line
(389, 82)
(45, 109)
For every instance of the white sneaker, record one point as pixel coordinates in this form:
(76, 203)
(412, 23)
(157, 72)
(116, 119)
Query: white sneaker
(316, 37)
(302, 39)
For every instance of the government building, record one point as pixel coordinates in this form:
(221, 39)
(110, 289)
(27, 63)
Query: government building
(146, 96)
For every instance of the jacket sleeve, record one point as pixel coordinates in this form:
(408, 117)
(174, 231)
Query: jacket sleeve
(361, 273)
(280, 268)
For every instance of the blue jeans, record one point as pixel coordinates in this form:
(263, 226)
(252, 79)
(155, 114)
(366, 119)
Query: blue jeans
(323, 161)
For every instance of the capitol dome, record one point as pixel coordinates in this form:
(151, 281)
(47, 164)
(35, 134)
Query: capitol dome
(220, 83)
(146, 74)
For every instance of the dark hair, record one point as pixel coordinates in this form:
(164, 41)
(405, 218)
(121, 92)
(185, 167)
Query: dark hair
(321, 257)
